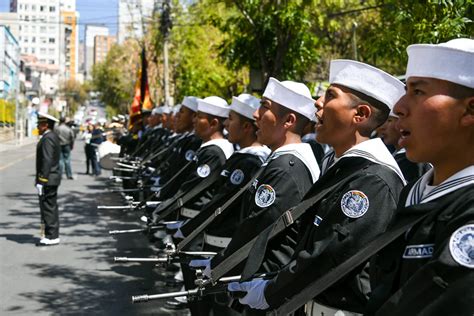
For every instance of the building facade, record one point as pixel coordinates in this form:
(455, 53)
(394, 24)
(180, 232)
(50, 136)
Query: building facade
(102, 45)
(133, 15)
(48, 29)
(9, 64)
(91, 31)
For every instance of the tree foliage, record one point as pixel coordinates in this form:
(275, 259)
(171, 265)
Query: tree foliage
(115, 77)
(74, 93)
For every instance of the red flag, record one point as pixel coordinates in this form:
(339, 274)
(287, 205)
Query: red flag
(142, 98)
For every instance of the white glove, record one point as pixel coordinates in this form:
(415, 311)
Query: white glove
(255, 297)
(199, 263)
(175, 225)
(39, 188)
(178, 234)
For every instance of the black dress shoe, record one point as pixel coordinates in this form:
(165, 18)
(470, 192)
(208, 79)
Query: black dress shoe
(174, 304)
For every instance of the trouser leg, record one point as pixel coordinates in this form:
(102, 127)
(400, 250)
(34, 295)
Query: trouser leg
(67, 160)
(49, 211)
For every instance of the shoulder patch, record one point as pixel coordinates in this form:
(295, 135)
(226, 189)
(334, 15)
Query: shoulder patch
(265, 196)
(237, 177)
(189, 155)
(461, 245)
(203, 170)
(418, 251)
(354, 204)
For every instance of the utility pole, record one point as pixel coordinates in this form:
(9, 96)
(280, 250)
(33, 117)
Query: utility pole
(354, 39)
(166, 25)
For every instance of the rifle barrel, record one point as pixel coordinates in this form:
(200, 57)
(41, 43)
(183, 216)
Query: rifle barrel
(127, 259)
(146, 298)
(113, 207)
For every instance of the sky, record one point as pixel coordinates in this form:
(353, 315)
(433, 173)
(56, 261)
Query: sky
(102, 12)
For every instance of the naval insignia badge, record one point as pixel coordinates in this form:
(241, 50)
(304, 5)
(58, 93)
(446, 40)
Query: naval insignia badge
(203, 170)
(265, 195)
(354, 204)
(461, 245)
(237, 177)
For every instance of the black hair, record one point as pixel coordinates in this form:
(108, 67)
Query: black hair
(380, 111)
(301, 120)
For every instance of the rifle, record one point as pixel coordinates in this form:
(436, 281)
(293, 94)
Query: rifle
(141, 230)
(167, 258)
(204, 287)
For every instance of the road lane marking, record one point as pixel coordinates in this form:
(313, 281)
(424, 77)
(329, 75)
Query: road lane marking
(16, 161)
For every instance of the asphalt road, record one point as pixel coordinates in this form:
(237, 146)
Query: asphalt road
(78, 277)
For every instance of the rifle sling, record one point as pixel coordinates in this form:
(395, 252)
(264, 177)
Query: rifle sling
(217, 212)
(182, 198)
(318, 286)
(285, 220)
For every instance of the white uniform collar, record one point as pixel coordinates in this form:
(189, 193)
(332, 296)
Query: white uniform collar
(223, 144)
(261, 152)
(373, 150)
(417, 194)
(304, 153)
(400, 151)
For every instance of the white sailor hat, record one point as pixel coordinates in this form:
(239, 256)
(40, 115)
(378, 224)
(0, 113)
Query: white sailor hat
(452, 61)
(166, 109)
(214, 105)
(157, 111)
(121, 117)
(191, 103)
(292, 95)
(176, 109)
(366, 79)
(43, 116)
(245, 104)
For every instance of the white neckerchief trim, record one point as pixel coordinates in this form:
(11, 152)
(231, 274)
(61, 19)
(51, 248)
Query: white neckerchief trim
(418, 194)
(400, 151)
(223, 144)
(373, 150)
(262, 152)
(304, 153)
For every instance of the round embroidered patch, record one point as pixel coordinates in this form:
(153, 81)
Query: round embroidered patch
(237, 177)
(461, 246)
(265, 195)
(189, 155)
(354, 204)
(203, 171)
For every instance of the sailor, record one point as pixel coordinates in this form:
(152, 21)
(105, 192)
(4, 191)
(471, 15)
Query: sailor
(429, 270)
(214, 150)
(237, 172)
(286, 108)
(48, 178)
(362, 182)
(390, 135)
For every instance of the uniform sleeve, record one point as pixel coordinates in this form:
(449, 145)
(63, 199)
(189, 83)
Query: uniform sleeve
(286, 186)
(444, 284)
(208, 162)
(356, 214)
(47, 154)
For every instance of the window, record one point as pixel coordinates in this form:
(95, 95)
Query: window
(51, 51)
(52, 9)
(26, 6)
(52, 40)
(43, 40)
(43, 50)
(33, 28)
(25, 39)
(51, 61)
(43, 29)
(33, 50)
(42, 8)
(19, 28)
(33, 39)
(42, 60)
(33, 7)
